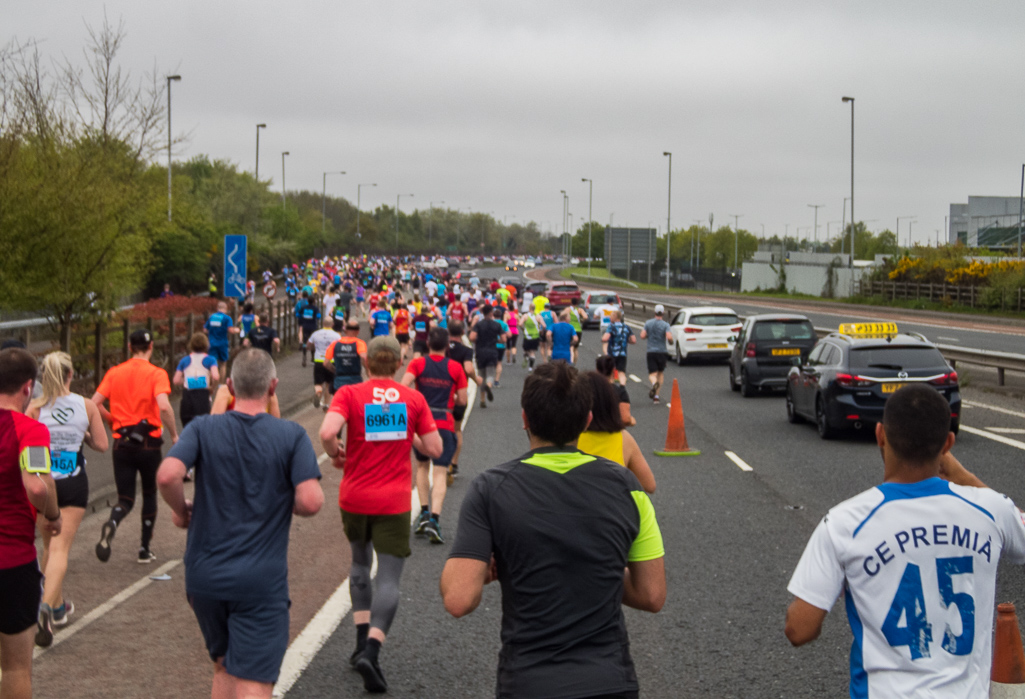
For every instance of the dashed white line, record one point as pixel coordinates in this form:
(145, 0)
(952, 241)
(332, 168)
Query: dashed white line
(1006, 430)
(741, 464)
(995, 437)
(1005, 411)
(948, 339)
(635, 378)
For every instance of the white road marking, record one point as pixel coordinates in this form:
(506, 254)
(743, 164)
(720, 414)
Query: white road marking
(948, 339)
(995, 437)
(101, 610)
(1007, 430)
(1005, 411)
(634, 378)
(741, 464)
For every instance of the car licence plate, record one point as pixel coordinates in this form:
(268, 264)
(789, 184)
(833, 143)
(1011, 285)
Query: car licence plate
(786, 351)
(892, 387)
(718, 345)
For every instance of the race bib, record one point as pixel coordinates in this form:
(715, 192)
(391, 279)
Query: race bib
(420, 327)
(308, 313)
(385, 423)
(63, 463)
(194, 382)
(215, 323)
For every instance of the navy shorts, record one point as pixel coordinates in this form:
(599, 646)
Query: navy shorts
(19, 604)
(252, 637)
(448, 449)
(219, 352)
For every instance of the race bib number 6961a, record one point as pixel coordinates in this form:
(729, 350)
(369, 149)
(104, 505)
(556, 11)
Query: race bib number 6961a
(385, 423)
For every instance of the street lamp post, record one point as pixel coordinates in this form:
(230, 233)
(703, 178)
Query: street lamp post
(566, 249)
(669, 211)
(358, 193)
(397, 197)
(736, 239)
(815, 229)
(850, 260)
(843, 222)
(258, 127)
(170, 79)
(283, 154)
(1021, 207)
(590, 193)
(430, 222)
(897, 232)
(323, 200)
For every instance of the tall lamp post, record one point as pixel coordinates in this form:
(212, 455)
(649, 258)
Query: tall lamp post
(430, 222)
(397, 198)
(590, 193)
(850, 259)
(358, 188)
(736, 238)
(566, 249)
(669, 211)
(323, 200)
(1021, 207)
(283, 154)
(170, 79)
(897, 232)
(815, 230)
(258, 127)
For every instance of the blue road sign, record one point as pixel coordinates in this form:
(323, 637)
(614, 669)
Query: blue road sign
(235, 266)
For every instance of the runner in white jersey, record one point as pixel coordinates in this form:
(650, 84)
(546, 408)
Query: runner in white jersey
(323, 379)
(917, 560)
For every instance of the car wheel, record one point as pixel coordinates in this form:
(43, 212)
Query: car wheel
(955, 425)
(733, 379)
(680, 360)
(746, 389)
(826, 431)
(792, 415)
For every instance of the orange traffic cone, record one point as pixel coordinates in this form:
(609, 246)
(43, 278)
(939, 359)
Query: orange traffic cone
(676, 431)
(1008, 676)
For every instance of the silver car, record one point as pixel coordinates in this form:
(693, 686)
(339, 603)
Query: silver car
(599, 306)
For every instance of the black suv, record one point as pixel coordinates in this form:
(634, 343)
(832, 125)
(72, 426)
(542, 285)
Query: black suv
(847, 378)
(766, 348)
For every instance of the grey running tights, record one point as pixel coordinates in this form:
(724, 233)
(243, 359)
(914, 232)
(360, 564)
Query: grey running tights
(385, 602)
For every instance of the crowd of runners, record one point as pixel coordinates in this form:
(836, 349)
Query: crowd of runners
(398, 353)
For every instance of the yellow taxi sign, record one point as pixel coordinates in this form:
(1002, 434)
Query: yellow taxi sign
(868, 329)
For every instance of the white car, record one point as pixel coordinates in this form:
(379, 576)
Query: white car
(704, 331)
(528, 264)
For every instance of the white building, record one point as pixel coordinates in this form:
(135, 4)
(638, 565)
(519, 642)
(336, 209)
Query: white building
(990, 222)
(823, 274)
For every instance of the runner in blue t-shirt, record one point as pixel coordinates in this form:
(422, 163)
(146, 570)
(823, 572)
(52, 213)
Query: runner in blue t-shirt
(561, 336)
(307, 316)
(218, 326)
(246, 321)
(617, 336)
(381, 321)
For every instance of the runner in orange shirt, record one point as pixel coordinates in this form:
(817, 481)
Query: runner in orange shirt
(401, 316)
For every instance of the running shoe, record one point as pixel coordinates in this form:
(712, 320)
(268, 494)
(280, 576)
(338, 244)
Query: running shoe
(498, 384)
(656, 399)
(316, 400)
(373, 678)
(658, 385)
(44, 626)
(304, 360)
(106, 535)
(61, 613)
(146, 556)
(433, 531)
(524, 363)
(483, 404)
(490, 394)
(653, 391)
(421, 523)
(355, 655)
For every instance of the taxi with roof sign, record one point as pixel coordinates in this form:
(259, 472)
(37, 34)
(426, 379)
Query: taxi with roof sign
(849, 374)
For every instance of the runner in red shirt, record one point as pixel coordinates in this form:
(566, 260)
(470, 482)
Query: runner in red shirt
(25, 488)
(384, 420)
(457, 312)
(401, 316)
(442, 382)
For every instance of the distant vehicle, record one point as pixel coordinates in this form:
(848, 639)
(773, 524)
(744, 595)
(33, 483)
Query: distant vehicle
(768, 345)
(512, 267)
(440, 263)
(538, 288)
(561, 294)
(848, 375)
(529, 264)
(599, 306)
(574, 261)
(704, 331)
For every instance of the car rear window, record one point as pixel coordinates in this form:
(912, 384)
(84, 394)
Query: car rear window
(897, 358)
(603, 298)
(783, 330)
(565, 289)
(707, 319)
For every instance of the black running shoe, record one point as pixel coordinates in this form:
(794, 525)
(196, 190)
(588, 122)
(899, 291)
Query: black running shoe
(146, 556)
(355, 655)
(106, 535)
(44, 626)
(433, 531)
(490, 394)
(373, 678)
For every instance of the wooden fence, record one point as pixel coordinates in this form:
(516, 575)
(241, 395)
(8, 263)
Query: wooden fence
(971, 296)
(96, 347)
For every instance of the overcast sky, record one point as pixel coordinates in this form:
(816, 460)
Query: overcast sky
(499, 106)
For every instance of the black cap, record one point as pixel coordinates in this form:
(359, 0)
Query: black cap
(140, 338)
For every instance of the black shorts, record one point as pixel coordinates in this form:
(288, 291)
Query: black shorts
(195, 402)
(420, 347)
(531, 345)
(251, 636)
(448, 448)
(512, 341)
(403, 338)
(657, 361)
(388, 533)
(458, 413)
(501, 354)
(19, 604)
(620, 363)
(307, 330)
(486, 358)
(73, 491)
(321, 375)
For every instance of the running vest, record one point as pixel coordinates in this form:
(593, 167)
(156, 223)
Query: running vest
(574, 320)
(531, 331)
(195, 373)
(347, 362)
(68, 421)
(435, 383)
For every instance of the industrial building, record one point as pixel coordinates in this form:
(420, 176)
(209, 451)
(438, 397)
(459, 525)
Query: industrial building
(989, 222)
